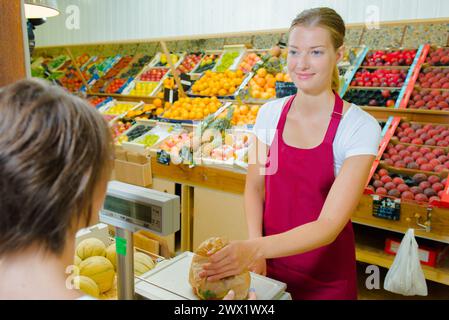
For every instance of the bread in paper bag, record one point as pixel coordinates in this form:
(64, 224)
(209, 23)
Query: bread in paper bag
(215, 290)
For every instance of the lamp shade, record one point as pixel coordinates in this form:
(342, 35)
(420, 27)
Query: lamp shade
(40, 9)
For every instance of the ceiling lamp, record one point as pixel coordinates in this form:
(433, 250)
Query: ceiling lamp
(40, 8)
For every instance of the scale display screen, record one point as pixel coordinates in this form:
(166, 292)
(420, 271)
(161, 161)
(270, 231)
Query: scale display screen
(135, 211)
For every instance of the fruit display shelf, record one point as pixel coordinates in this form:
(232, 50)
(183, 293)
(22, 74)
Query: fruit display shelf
(352, 60)
(385, 74)
(409, 149)
(262, 86)
(224, 85)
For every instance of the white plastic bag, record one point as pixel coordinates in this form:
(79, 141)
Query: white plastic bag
(405, 275)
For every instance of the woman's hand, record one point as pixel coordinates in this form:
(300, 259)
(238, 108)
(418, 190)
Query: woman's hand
(231, 260)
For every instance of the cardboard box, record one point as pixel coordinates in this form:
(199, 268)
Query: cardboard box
(427, 256)
(133, 173)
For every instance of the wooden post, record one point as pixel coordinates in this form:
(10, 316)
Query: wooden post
(13, 64)
(361, 36)
(403, 36)
(181, 92)
(80, 74)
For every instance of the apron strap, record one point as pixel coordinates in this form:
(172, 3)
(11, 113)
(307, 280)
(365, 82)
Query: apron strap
(336, 116)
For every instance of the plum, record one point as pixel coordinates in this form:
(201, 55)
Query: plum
(407, 195)
(394, 193)
(421, 197)
(390, 186)
(415, 190)
(429, 192)
(419, 177)
(378, 184)
(433, 179)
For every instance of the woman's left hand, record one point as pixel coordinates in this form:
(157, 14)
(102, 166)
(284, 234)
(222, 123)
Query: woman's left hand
(231, 260)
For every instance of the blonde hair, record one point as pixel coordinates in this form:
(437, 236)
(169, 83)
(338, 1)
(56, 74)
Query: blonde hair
(330, 20)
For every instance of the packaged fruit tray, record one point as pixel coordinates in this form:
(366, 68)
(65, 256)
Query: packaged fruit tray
(152, 139)
(142, 88)
(250, 59)
(230, 59)
(190, 62)
(208, 62)
(117, 109)
(160, 60)
(421, 188)
(132, 133)
(189, 110)
(231, 150)
(224, 85)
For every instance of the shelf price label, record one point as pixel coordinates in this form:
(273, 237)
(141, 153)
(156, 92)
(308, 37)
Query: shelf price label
(386, 208)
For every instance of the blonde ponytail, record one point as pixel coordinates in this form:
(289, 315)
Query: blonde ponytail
(336, 80)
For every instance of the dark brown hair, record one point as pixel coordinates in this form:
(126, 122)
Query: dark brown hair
(330, 20)
(54, 150)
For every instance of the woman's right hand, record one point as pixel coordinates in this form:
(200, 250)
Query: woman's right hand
(259, 266)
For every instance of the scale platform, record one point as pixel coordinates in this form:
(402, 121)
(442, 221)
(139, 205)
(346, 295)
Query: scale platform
(170, 281)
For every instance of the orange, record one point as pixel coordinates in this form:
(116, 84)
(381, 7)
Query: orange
(222, 92)
(271, 83)
(265, 96)
(256, 94)
(287, 78)
(159, 111)
(280, 77)
(160, 95)
(262, 72)
(261, 82)
(157, 102)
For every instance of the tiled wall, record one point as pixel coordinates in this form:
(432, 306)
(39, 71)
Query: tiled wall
(386, 36)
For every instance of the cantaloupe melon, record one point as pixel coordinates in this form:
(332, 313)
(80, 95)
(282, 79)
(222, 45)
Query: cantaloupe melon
(111, 255)
(100, 270)
(90, 247)
(142, 263)
(87, 285)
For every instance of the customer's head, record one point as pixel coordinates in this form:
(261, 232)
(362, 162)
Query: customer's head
(55, 160)
(315, 46)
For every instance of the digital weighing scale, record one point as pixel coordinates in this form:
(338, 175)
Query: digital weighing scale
(131, 208)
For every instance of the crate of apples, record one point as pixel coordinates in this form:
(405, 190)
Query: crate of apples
(379, 78)
(422, 134)
(115, 85)
(263, 84)
(218, 83)
(189, 63)
(434, 78)
(382, 58)
(192, 108)
(153, 74)
(414, 157)
(419, 187)
(438, 57)
(429, 100)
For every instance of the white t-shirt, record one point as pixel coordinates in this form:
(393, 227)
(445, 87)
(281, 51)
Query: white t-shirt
(358, 132)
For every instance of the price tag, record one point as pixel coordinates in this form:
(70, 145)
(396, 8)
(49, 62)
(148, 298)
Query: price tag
(163, 157)
(386, 208)
(284, 89)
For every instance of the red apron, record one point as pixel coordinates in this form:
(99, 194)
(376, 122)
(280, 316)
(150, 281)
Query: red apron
(295, 195)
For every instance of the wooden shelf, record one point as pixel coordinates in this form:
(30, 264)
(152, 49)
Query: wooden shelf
(432, 116)
(374, 88)
(378, 257)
